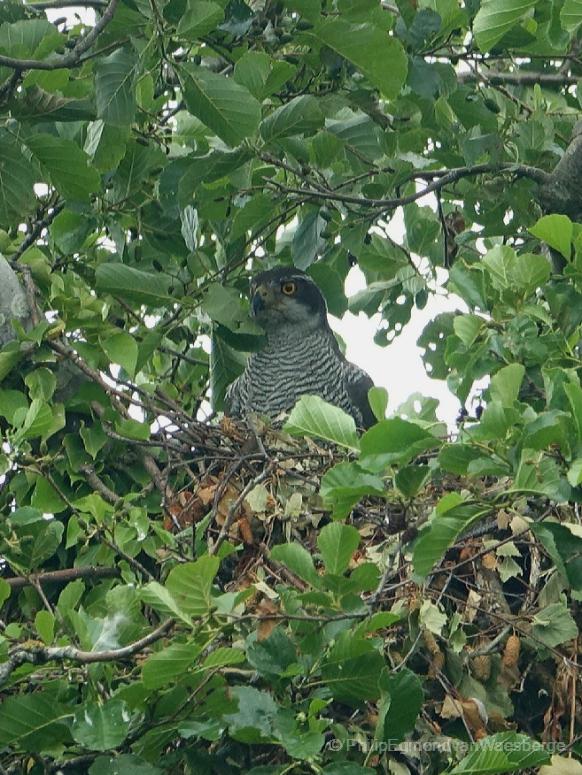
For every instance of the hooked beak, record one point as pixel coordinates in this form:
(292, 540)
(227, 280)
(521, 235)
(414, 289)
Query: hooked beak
(262, 297)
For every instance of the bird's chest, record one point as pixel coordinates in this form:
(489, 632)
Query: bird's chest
(279, 375)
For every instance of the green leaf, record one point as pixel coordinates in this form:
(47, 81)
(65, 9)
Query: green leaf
(298, 560)
(405, 701)
(17, 179)
(468, 327)
(30, 722)
(121, 348)
(44, 623)
(312, 416)
(171, 663)
(161, 599)
(378, 56)
(11, 402)
(100, 727)
(564, 547)
(222, 657)
(571, 15)
(554, 624)
(378, 400)
(456, 458)
(574, 393)
(503, 752)
(411, 479)
(132, 284)
(115, 79)
(226, 107)
(516, 274)
(45, 498)
(66, 165)
(556, 229)
(302, 115)
(337, 544)
(29, 38)
(345, 484)
(451, 519)
(393, 441)
(190, 585)
(132, 429)
(199, 19)
(352, 670)
(505, 384)
(496, 17)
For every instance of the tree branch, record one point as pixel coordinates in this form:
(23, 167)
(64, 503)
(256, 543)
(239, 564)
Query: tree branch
(63, 576)
(520, 79)
(39, 655)
(444, 178)
(71, 59)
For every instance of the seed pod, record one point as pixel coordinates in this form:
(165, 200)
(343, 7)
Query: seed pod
(511, 653)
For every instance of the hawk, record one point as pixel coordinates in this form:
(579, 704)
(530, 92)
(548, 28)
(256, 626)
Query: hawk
(301, 355)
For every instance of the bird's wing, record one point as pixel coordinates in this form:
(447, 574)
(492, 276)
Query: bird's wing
(232, 403)
(358, 382)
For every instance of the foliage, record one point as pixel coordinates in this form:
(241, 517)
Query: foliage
(172, 602)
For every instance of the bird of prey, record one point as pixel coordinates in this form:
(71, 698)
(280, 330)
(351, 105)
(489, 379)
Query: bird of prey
(301, 355)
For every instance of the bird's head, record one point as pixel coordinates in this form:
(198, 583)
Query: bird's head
(287, 297)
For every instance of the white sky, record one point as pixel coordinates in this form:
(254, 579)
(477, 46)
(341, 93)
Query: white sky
(397, 367)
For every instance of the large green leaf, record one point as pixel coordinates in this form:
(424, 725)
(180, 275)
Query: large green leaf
(496, 17)
(503, 752)
(191, 583)
(393, 441)
(571, 15)
(66, 165)
(199, 19)
(312, 416)
(451, 519)
(345, 484)
(225, 106)
(16, 182)
(337, 544)
(297, 559)
(100, 727)
(32, 722)
(405, 697)
(301, 115)
(133, 284)
(378, 56)
(170, 663)
(115, 80)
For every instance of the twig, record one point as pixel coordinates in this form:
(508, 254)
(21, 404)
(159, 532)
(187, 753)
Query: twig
(62, 576)
(71, 59)
(237, 504)
(39, 655)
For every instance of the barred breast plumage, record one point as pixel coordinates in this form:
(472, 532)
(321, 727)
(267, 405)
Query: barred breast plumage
(301, 355)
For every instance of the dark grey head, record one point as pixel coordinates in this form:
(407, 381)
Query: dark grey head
(287, 297)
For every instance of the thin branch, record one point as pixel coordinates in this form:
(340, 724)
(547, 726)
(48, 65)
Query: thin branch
(443, 179)
(48, 4)
(39, 655)
(71, 59)
(521, 78)
(63, 576)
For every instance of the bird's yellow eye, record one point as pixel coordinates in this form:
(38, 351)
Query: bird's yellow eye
(289, 288)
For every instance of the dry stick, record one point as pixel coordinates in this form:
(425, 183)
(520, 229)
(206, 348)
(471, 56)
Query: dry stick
(62, 576)
(237, 504)
(39, 655)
